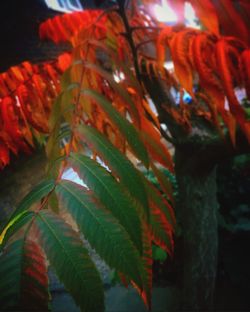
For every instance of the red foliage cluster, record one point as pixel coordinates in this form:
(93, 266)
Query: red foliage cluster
(26, 94)
(62, 28)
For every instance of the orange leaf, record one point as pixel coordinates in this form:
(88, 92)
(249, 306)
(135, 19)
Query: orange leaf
(223, 62)
(182, 66)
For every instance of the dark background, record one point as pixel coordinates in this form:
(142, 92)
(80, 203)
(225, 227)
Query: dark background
(19, 24)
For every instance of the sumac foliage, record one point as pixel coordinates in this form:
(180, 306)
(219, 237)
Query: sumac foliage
(103, 103)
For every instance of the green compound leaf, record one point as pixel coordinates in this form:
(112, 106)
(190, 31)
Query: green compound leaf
(106, 235)
(71, 261)
(111, 194)
(125, 127)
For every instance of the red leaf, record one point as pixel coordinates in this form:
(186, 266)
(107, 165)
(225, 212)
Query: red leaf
(4, 155)
(182, 65)
(62, 28)
(10, 121)
(161, 229)
(223, 62)
(28, 100)
(34, 279)
(3, 88)
(64, 61)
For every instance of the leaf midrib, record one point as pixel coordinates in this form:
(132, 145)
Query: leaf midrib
(86, 207)
(122, 213)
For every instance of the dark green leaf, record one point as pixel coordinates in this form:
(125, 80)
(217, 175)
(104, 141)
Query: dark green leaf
(117, 162)
(110, 192)
(159, 254)
(71, 261)
(36, 194)
(125, 127)
(106, 235)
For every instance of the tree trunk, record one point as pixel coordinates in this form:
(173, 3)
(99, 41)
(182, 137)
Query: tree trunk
(197, 212)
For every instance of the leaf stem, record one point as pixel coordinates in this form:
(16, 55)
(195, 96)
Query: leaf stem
(129, 36)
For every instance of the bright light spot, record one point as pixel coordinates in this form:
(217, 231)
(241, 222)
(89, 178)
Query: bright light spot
(163, 13)
(118, 76)
(152, 106)
(64, 6)
(190, 17)
(99, 160)
(17, 101)
(240, 94)
(169, 65)
(71, 175)
(226, 104)
(164, 127)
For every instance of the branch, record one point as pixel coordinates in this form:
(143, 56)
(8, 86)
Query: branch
(129, 37)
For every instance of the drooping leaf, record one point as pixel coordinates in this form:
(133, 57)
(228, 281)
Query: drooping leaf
(14, 225)
(179, 45)
(101, 229)
(126, 129)
(71, 261)
(24, 281)
(117, 162)
(111, 193)
(36, 194)
(146, 293)
(202, 48)
(161, 229)
(11, 123)
(223, 60)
